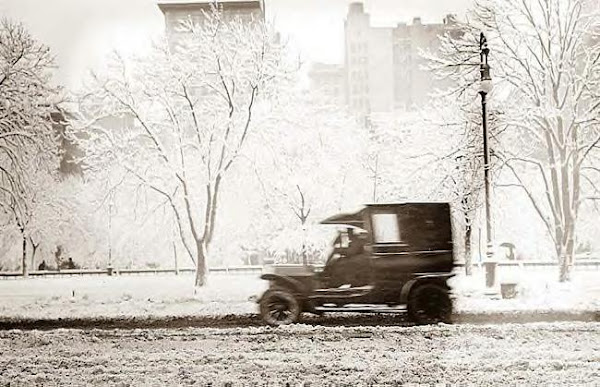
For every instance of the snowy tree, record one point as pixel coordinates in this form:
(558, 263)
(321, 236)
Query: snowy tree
(453, 166)
(192, 111)
(28, 147)
(308, 168)
(545, 58)
(132, 227)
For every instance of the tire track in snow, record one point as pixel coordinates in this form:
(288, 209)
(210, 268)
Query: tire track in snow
(253, 320)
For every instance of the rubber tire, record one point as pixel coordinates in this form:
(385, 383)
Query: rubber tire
(281, 298)
(430, 303)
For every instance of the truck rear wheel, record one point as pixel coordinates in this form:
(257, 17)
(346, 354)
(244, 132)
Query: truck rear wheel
(279, 307)
(429, 303)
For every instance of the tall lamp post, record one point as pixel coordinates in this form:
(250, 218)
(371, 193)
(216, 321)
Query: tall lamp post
(485, 87)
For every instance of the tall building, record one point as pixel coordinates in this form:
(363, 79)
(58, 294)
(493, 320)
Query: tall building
(383, 65)
(177, 11)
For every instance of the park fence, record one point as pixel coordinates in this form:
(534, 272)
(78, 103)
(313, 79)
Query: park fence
(584, 265)
(117, 271)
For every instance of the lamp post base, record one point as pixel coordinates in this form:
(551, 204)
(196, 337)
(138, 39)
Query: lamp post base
(490, 273)
(490, 265)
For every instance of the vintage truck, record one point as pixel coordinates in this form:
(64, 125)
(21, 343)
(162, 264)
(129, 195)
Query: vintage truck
(387, 258)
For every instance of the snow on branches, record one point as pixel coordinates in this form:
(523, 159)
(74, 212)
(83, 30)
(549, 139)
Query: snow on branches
(28, 144)
(187, 112)
(545, 61)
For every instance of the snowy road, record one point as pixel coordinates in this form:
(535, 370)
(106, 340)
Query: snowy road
(532, 354)
(254, 320)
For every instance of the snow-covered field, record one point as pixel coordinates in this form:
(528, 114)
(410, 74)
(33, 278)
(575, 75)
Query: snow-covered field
(301, 355)
(170, 295)
(127, 296)
(538, 290)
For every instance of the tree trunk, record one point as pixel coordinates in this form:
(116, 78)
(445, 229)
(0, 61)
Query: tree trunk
(175, 258)
(468, 258)
(201, 263)
(32, 260)
(34, 248)
(304, 255)
(563, 267)
(570, 255)
(566, 256)
(24, 257)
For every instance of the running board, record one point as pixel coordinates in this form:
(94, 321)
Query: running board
(362, 309)
(342, 292)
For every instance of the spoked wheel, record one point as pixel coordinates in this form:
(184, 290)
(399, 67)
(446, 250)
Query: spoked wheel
(430, 304)
(279, 307)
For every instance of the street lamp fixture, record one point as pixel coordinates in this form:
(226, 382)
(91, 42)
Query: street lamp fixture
(485, 87)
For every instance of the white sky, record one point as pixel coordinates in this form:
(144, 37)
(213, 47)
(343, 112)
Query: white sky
(82, 32)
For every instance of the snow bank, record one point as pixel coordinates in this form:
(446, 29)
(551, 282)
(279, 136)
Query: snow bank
(537, 290)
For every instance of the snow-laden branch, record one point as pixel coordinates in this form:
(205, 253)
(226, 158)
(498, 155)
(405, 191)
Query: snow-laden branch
(190, 109)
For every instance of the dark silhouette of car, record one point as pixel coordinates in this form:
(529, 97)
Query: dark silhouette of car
(389, 258)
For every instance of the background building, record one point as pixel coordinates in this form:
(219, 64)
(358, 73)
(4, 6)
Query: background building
(382, 70)
(329, 81)
(383, 65)
(69, 151)
(176, 11)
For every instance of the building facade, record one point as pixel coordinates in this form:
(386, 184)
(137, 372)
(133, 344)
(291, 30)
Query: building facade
(69, 151)
(178, 11)
(383, 65)
(328, 80)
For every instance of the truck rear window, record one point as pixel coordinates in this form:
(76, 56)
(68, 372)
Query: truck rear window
(385, 227)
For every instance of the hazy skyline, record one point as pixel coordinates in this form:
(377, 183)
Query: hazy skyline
(81, 33)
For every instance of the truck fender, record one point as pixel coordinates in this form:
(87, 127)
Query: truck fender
(286, 282)
(439, 279)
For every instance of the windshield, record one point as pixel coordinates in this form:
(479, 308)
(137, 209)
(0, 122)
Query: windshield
(344, 241)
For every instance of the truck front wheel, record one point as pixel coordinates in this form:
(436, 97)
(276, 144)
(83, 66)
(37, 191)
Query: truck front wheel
(279, 307)
(429, 303)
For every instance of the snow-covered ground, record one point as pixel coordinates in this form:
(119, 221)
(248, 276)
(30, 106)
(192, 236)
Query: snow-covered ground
(170, 295)
(301, 355)
(537, 290)
(127, 296)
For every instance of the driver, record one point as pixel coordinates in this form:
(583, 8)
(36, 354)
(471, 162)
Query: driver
(347, 270)
(356, 245)
(338, 248)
